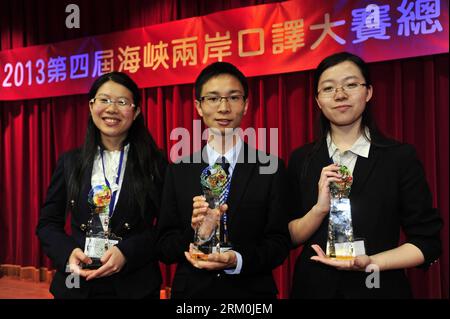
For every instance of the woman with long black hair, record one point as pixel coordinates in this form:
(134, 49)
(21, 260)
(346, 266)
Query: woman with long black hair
(118, 154)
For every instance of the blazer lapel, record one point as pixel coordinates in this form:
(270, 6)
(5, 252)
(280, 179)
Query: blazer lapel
(196, 170)
(240, 178)
(192, 173)
(363, 168)
(318, 162)
(84, 208)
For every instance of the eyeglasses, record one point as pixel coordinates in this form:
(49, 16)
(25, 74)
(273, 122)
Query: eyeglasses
(215, 100)
(348, 88)
(122, 103)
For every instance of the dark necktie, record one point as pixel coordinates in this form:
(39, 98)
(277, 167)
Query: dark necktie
(223, 233)
(222, 161)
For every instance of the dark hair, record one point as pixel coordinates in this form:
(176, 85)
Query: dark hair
(337, 58)
(330, 61)
(324, 124)
(144, 158)
(216, 69)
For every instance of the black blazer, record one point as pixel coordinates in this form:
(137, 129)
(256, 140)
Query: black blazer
(257, 229)
(140, 276)
(389, 193)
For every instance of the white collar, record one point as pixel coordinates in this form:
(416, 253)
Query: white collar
(231, 155)
(361, 146)
(126, 148)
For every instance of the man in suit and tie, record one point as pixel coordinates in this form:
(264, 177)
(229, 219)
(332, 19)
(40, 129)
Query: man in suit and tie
(256, 218)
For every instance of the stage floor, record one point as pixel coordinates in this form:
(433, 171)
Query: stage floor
(14, 288)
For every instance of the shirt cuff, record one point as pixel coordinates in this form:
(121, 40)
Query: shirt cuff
(237, 270)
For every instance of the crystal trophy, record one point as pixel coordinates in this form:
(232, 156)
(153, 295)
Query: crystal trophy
(341, 244)
(99, 237)
(211, 236)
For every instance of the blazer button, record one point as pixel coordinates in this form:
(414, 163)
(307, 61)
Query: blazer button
(218, 275)
(126, 226)
(83, 227)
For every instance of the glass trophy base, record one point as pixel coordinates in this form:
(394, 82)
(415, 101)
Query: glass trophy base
(202, 251)
(347, 250)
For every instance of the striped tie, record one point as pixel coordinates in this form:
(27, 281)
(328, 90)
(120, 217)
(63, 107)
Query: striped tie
(222, 161)
(223, 229)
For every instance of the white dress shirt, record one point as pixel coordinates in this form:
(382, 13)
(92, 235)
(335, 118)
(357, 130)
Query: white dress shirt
(361, 147)
(111, 160)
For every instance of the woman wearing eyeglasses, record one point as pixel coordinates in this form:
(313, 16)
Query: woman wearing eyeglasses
(388, 193)
(120, 158)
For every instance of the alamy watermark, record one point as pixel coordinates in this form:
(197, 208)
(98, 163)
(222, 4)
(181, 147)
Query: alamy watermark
(73, 19)
(373, 280)
(73, 281)
(181, 152)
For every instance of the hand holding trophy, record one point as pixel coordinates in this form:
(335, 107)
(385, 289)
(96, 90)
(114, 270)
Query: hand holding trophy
(341, 244)
(211, 235)
(99, 237)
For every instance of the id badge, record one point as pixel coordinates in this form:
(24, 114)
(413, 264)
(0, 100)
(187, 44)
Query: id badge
(95, 247)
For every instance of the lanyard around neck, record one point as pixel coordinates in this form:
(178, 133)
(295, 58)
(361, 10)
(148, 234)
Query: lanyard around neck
(113, 195)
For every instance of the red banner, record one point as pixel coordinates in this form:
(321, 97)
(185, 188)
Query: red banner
(264, 39)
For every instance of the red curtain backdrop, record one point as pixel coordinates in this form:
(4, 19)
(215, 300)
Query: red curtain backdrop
(410, 104)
